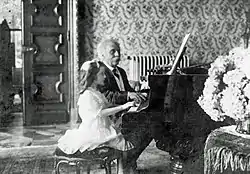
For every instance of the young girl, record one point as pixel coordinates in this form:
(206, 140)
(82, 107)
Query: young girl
(96, 128)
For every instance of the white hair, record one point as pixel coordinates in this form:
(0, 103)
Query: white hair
(102, 47)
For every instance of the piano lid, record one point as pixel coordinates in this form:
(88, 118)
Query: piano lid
(172, 93)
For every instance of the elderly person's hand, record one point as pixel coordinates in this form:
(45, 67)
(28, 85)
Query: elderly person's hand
(137, 97)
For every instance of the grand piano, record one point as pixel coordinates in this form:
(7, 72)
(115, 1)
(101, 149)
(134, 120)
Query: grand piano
(178, 123)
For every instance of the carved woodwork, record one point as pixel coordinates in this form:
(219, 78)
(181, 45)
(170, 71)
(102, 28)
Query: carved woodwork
(184, 126)
(46, 62)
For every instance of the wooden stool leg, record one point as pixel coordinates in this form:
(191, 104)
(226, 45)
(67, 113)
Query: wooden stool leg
(78, 170)
(117, 165)
(108, 168)
(55, 164)
(120, 166)
(176, 165)
(88, 169)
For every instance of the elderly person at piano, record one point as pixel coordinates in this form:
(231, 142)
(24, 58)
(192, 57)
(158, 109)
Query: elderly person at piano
(96, 129)
(117, 90)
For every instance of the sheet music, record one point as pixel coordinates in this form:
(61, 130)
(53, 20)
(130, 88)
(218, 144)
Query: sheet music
(185, 39)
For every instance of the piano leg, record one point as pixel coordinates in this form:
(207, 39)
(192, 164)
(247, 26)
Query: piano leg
(180, 145)
(176, 165)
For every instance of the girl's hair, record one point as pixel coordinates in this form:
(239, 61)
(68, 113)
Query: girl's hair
(88, 75)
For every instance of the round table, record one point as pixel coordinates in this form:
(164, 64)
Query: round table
(227, 151)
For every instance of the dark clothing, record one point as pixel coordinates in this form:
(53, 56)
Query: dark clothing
(111, 89)
(135, 127)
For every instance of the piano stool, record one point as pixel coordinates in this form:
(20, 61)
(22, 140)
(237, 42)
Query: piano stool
(102, 156)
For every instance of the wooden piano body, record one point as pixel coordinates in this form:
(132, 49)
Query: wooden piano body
(178, 123)
(183, 120)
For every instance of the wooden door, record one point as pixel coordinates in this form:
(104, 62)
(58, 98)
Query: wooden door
(45, 62)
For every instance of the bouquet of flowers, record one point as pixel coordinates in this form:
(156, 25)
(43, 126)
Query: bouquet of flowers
(227, 89)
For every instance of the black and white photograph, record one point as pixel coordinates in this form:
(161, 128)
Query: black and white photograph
(124, 86)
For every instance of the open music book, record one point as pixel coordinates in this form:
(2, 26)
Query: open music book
(178, 56)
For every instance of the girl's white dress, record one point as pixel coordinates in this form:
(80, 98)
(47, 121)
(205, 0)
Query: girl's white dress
(95, 130)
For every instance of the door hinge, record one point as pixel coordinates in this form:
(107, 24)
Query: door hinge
(68, 35)
(27, 48)
(69, 107)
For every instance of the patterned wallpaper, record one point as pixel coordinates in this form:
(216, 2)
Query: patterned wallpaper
(152, 27)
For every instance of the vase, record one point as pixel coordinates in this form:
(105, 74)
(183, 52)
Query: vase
(243, 126)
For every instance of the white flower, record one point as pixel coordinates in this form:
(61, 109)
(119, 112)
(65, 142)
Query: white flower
(211, 86)
(227, 89)
(218, 67)
(237, 55)
(234, 78)
(246, 91)
(209, 106)
(232, 103)
(245, 66)
(248, 108)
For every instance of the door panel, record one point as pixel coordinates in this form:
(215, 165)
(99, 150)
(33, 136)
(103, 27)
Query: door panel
(45, 68)
(48, 52)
